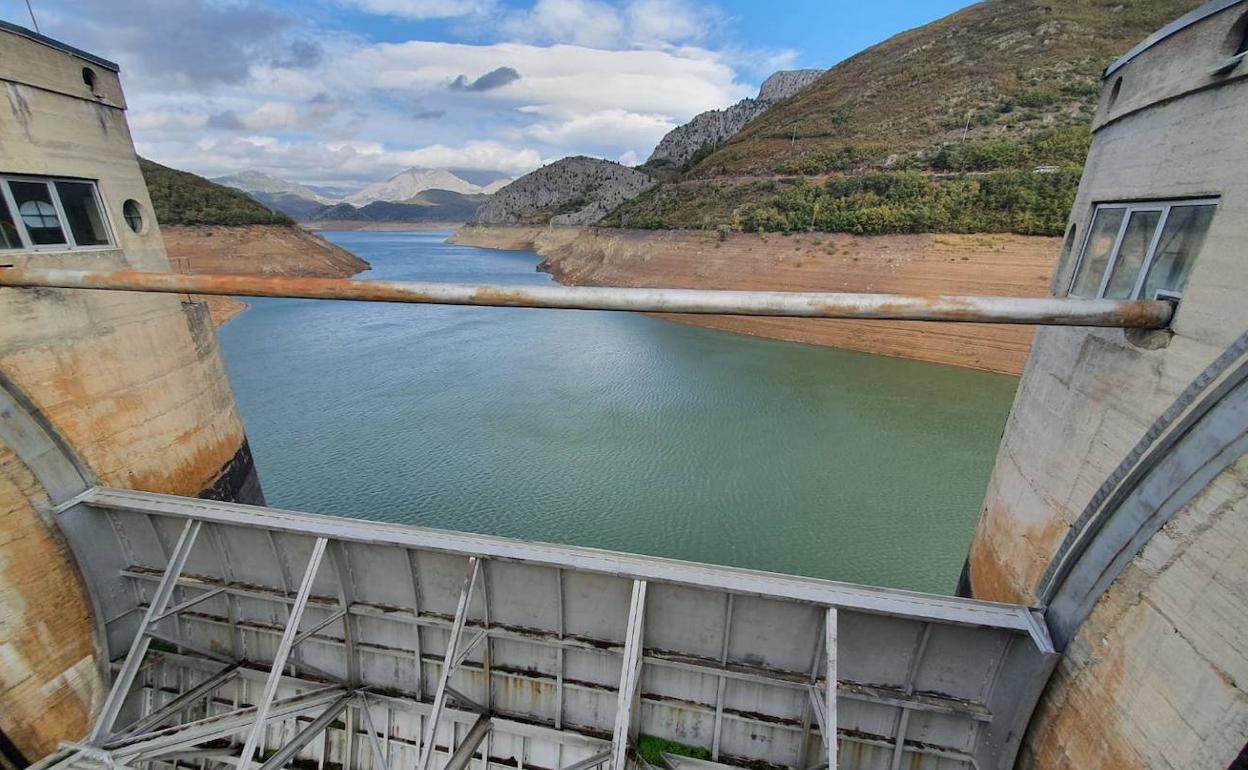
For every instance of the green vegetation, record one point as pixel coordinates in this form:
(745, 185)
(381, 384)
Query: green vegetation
(870, 204)
(185, 199)
(652, 749)
(993, 104)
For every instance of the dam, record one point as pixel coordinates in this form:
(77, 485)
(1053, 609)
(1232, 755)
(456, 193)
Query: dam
(158, 615)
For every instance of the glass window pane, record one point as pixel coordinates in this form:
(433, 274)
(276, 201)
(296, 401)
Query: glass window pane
(1100, 243)
(1135, 242)
(83, 212)
(34, 207)
(9, 238)
(1181, 240)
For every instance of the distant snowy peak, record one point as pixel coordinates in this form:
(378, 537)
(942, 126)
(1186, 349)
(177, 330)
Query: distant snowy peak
(410, 183)
(259, 183)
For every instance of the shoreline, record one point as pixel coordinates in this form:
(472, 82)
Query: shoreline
(274, 250)
(1005, 265)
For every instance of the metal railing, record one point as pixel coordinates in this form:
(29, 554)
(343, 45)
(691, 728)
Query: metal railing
(1051, 311)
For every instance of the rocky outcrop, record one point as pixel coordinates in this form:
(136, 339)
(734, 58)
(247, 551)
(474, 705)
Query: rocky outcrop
(785, 83)
(572, 191)
(716, 126)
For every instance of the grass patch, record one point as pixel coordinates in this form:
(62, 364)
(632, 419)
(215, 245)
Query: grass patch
(652, 749)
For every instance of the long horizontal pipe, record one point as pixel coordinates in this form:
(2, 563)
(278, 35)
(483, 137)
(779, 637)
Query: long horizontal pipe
(1057, 311)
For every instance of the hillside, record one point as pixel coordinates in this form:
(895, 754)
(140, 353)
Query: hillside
(572, 191)
(180, 198)
(208, 228)
(977, 122)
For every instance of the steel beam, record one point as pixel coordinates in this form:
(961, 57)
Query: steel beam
(346, 597)
(590, 762)
(191, 696)
(828, 728)
(178, 737)
(630, 674)
(191, 602)
(721, 682)
(468, 746)
(1059, 311)
(138, 648)
(448, 662)
(847, 596)
(852, 691)
(379, 755)
(283, 650)
(305, 736)
(903, 716)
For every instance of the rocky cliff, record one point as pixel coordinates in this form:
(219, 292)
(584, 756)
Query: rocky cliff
(712, 127)
(572, 191)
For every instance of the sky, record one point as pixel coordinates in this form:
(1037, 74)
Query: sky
(347, 92)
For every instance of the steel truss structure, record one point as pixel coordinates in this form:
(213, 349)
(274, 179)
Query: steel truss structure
(252, 636)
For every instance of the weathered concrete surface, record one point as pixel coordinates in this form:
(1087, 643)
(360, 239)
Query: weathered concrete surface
(134, 386)
(1154, 677)
(48, 680)
(1003, 265)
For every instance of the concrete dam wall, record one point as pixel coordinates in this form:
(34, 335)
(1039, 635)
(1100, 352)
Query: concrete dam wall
(1119, 499)
(131, 386)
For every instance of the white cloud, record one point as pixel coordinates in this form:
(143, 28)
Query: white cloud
(271, 116)
(563, 80)
(423, 9)
(630, 158)
(216, 92)
(595, 23)
(606, 128)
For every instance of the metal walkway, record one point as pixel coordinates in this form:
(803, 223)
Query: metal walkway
(239, 631)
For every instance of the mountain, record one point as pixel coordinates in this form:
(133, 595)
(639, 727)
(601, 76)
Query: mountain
(496, 185)
(442, 206)
(410, 183)
(292, 199)
(708, 129)
(572, 191)
(180, 198)
(939, 129)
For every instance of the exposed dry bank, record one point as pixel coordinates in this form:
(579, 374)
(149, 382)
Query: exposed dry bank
(1008, 265)
(254, 250)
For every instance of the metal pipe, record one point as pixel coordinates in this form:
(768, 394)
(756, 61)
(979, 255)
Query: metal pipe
(1054, 311)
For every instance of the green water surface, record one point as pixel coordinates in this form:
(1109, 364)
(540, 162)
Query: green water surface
(612, 430)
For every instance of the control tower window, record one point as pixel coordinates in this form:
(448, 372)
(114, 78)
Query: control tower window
(38, 213)
(52, 214)
(82, 210)
(9, 239)
(1137, 250)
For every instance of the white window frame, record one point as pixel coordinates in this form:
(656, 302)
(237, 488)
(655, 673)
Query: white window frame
(70, 243)
(1129, 209)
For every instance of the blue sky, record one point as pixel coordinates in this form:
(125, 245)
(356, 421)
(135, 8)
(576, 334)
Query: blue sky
(352, 91)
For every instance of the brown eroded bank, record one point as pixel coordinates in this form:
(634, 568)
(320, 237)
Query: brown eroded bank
(1009, 265)
(254, 250)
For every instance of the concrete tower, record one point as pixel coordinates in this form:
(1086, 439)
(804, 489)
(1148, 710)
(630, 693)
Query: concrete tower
(131, 386)
(1119, 500)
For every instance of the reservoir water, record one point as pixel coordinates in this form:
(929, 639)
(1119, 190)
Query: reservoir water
(611, 430)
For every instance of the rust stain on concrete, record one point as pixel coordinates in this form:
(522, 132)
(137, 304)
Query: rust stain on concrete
(48, 677)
